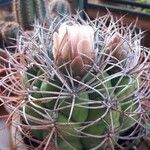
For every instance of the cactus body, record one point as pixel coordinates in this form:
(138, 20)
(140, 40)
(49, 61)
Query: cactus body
(101, 84)
(77, 109)
(37, 83)
(75, 143)
(71, 99)
(127, 86)
(69, 134)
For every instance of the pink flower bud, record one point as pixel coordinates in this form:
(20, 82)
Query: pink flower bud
(74, 45)
(119, 47)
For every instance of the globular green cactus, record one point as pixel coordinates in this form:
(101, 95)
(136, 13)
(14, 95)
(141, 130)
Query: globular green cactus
(81, 85)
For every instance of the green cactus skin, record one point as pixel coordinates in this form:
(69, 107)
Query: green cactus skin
(80, 110)
(37, 83)
(47, 86)
(76, 109)
(30, 74)
(125, 87)
(73, 144)
(122, 91)
(72, 138)
(24, 12)
(127, 104)
(101, 126)
(101, 88)
(29, 110)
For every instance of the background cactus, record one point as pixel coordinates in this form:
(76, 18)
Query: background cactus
(88, 111)
(27, 11)
(8, 34)
(24, 12)
(59, 8)
(40, 9)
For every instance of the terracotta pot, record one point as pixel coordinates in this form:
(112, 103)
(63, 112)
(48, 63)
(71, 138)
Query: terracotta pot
(15, 134)
(5, 140)
(24, 142)
(10, 80)
(9, 137)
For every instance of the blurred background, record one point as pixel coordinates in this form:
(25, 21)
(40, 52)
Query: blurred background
(5, 8)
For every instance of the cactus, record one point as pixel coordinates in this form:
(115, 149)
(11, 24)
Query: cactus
(40, 9)
(72, 94)
(27, 11)
(24, 12)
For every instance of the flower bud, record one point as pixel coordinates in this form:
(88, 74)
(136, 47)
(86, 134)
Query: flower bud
(122, 49)
(119, 47)
(74, 45)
